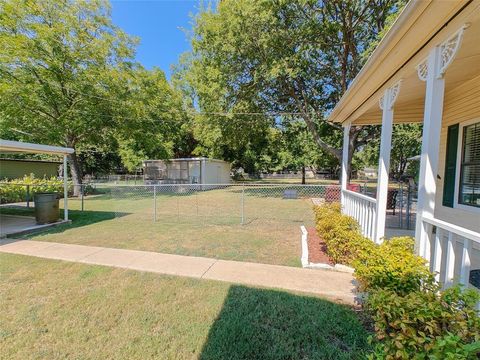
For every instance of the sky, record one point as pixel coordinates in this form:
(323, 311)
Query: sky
(159, 25)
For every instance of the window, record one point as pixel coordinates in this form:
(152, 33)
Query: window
(469, 187)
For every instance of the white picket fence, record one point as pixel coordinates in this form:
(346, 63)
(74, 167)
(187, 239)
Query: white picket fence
(363, 209)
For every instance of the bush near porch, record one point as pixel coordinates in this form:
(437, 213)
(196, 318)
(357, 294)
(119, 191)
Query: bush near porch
(412, 318)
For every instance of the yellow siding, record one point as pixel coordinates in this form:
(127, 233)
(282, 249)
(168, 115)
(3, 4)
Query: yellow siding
(461, 104)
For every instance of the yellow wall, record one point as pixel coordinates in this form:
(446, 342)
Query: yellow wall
(461, 105)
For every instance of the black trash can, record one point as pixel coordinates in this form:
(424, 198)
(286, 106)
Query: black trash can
(46, 207)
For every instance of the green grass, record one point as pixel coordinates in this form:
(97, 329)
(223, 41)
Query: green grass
(58, 310)
(201, 224)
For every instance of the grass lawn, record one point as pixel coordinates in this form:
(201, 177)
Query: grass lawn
(204, 223)
(59, 310)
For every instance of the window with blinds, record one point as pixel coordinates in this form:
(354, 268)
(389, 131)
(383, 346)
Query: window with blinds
(469, 192)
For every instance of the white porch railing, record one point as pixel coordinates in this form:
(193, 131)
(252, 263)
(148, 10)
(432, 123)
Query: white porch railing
(448, 248)
(363, 209)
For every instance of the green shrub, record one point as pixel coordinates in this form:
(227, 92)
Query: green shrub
(393, 266)
(341, 234)
(413, 320)
(16, 190)
(425, 324)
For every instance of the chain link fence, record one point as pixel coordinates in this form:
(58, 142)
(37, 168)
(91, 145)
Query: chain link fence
(245, 222)
(217, 204)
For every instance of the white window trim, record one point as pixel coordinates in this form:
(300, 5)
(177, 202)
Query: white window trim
(456, 204)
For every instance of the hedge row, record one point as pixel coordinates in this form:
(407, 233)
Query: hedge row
(16, 190)
(413, 318)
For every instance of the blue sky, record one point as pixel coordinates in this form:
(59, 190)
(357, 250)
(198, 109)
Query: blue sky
(158, 23)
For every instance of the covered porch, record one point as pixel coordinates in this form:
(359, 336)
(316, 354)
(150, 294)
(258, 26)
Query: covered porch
(13, 224)
(425, 70)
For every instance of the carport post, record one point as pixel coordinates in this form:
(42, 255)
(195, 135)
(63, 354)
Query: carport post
(65, 188)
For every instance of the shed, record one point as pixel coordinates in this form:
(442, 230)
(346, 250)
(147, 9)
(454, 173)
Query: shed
(200, 170)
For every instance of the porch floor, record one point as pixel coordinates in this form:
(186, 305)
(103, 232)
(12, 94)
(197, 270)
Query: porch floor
(395, 232)
(15, 224)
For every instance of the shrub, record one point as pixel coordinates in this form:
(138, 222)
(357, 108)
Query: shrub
(412, 318)
(393, 266)
(16, 190)
(425, 324)
(341, 234)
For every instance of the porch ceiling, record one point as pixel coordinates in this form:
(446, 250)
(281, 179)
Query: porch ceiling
(362, 106)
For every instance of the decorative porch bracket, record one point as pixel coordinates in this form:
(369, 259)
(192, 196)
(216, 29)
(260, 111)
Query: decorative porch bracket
(386, 104)
(432, 71)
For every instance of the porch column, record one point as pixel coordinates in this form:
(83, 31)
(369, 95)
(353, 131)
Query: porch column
(386, 104)
(432, 71)
(65, 188)
(346, 146)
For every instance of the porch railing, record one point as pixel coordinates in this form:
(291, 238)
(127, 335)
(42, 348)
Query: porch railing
(448, 248)
(363, 209)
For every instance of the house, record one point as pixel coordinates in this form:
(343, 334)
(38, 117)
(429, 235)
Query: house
(199, 170)
(18, 168)
(426, 69)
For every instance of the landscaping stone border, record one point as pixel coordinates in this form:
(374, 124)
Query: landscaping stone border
(310, 265)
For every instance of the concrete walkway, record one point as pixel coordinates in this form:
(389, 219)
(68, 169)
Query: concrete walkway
(337, 286)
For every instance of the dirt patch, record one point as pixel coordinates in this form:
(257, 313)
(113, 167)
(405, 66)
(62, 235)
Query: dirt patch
(317, 249)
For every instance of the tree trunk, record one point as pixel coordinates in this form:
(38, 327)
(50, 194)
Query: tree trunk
(76, 172)
(303, 175)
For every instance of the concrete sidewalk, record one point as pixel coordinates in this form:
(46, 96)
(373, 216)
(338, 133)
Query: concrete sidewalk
(329, 284)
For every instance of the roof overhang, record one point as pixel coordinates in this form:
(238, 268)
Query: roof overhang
(8, 146)
(421, 26)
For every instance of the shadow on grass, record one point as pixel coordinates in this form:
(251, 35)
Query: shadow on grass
(79, 218)
(270, 324)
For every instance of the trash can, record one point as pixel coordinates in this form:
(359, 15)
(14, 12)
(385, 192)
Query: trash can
(46, 207)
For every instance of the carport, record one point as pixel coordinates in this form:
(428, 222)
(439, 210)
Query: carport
(15, 147)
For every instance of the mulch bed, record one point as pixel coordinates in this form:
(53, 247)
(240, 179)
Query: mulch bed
(317, 249)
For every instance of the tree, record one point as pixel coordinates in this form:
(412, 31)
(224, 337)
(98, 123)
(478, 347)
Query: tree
(299, 150)
(58, 67)
(406, 143)
(284, 57)
(67, 77)
(153, 122)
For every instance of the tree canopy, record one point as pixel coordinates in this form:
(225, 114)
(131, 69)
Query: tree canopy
(68, 77)
(287, 59)
(255, 90)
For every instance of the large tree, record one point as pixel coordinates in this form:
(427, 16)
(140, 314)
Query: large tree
(67, 77)
(57, 68)
(282, 57)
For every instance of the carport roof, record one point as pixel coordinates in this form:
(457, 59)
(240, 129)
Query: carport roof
(8, 146)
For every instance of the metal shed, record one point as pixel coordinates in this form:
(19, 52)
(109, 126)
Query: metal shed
(198, 170)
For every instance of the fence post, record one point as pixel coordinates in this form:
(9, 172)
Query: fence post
(28, 196)
(409, 204)
(82, 190)
(154, 203)
(242, 200)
